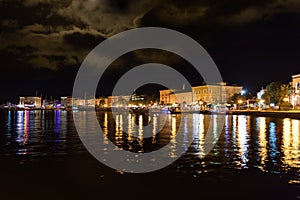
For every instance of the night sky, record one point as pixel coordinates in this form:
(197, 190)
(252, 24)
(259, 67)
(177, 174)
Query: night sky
(43, 42)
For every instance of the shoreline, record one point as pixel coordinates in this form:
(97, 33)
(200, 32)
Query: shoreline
(266, 113)
(294, 114)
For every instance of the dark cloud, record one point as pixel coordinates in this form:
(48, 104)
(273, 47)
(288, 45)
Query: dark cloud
(68, 29)
(53, 27)
(55, 35)
(84, 41)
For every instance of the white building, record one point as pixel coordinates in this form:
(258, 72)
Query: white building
(295, 96)
(30, 102)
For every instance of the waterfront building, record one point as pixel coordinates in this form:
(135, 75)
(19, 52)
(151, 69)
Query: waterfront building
(164, 97)
(66, 102)
(101, 102)
(118, 101)
(209, 94)
(79, 102)
(295, 96)
(51, 104)
(30, 102)
(168, 97)
(260, 93)
(212, 94)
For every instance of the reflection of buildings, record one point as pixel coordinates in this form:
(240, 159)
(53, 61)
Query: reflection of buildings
(291, 141)
(30, 102)
(295, 97)
(206, 93)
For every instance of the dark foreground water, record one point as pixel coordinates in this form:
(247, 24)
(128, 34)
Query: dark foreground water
(42, 157)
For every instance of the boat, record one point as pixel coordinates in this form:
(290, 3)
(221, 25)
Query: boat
(178, 110)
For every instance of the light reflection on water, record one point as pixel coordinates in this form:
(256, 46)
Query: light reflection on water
(242, 139)
(269, 144)
(262, 141)
(291, 152)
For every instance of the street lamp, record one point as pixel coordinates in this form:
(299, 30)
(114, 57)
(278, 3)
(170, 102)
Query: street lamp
(201, 103)
(240, 101)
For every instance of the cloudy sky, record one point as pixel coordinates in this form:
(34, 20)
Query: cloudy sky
(43, 42)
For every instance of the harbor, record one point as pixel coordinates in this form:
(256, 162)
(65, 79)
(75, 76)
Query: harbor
(43, 147)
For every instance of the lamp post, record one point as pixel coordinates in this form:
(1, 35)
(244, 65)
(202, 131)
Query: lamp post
(201, 103)
(239, 103)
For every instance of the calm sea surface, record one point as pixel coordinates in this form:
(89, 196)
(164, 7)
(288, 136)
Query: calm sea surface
(42, 157)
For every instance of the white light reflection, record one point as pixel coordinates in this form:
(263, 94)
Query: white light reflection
(242, 140)
(215, 133)
(227, 140)
(23, 132)
(105, 131)
(154, 128)
(272, 142)
(198, 123)
(234, 125)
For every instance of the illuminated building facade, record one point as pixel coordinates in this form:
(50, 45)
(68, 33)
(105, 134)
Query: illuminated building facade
(164, 96)
(118, 101)
(30, 102)
(66, 102)
(210, 94)
(220, 93)
(168, 97)
(295, 96)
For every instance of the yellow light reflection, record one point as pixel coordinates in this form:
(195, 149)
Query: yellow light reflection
(130, 128)
(263, 142)
(173, 138)
(141, 130)
(291, 142)
(295, 143)
(119, 129)
(105, 129)
(287, 158)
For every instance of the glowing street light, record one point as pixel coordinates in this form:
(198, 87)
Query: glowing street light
(286, 99)
(243, 92)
